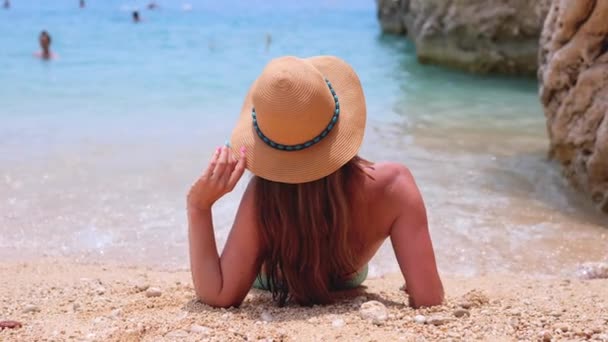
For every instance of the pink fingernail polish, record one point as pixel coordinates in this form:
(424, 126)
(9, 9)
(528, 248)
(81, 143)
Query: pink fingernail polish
(243, 148)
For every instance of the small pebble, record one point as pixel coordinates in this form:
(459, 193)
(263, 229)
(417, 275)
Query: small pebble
(555, 314)
(373, 311)
(601, 337)
(593, 270)
(30, 308)
(338, 323)
(198, 329)
(465, 305)
(116, 313)
(75, 306)
(153, 292)
(98, 320)
(141, 287)
(177, 334)
(476, 298)
(438, 320)
(461, 313)
(419, 319)
(563, 327)
(266, 316)
(545, 336)
(100, 290)
(513, 312)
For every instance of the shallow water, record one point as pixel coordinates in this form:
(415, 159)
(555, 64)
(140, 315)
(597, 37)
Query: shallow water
(98, 148)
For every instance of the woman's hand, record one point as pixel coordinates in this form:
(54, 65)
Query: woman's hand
(220, 177)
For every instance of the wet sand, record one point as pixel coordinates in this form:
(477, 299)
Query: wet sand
(58, 300)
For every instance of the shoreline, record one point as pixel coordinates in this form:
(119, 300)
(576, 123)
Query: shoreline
(57, 299)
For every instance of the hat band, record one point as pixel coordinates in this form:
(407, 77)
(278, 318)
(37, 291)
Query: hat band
(309, 143)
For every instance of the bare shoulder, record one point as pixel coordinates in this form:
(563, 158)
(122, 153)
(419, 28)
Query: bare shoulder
(392, 178)
(395, 185)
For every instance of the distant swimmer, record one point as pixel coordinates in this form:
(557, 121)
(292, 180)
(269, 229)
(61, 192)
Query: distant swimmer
(7, 4)
(268, 41)
(82, 4)
(45, 45)
(152, 5)
(136, 17)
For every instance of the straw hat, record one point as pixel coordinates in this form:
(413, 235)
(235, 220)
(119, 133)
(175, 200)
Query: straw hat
(302, 119)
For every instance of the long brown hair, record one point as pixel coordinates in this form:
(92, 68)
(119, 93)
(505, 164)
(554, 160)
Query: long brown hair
(306, 233)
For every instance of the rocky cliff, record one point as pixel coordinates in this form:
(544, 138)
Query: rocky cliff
(480, 36)
(574, 92)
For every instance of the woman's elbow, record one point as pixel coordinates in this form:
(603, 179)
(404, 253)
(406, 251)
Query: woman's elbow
(217, 301)
(427, 299)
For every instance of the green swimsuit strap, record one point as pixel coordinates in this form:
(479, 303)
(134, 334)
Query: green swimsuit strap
(262, 283)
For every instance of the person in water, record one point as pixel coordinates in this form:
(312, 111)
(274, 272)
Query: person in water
(315, 212)
(136, 17)
(152, 5)
(7, 4)
(82, 4)
(268, 41)
(45, 45)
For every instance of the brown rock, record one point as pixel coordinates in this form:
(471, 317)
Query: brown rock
(574, 85)
(153, 292)
(478, 36)
(461, 313)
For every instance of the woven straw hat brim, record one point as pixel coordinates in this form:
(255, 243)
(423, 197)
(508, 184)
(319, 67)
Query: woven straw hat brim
(321, 159)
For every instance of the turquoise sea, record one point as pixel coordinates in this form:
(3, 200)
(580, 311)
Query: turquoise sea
(99, 146)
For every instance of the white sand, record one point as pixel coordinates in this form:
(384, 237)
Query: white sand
(75, 302)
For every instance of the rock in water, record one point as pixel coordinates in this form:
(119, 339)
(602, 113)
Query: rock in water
(373, 311)
(391, 14)
(480, 36)
(153, 292)
(574, 86)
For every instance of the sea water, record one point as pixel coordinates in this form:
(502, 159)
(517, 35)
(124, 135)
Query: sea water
(98, 147)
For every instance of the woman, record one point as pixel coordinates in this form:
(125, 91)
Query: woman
(45, 45)
(315, 213)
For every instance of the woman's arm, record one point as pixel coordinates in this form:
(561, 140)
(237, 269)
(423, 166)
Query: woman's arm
(412, 243)
(222, 281)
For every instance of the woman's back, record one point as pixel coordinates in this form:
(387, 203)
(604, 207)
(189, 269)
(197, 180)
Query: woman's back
(385, 202)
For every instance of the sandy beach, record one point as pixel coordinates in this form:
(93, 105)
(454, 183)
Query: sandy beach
(57, 300)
